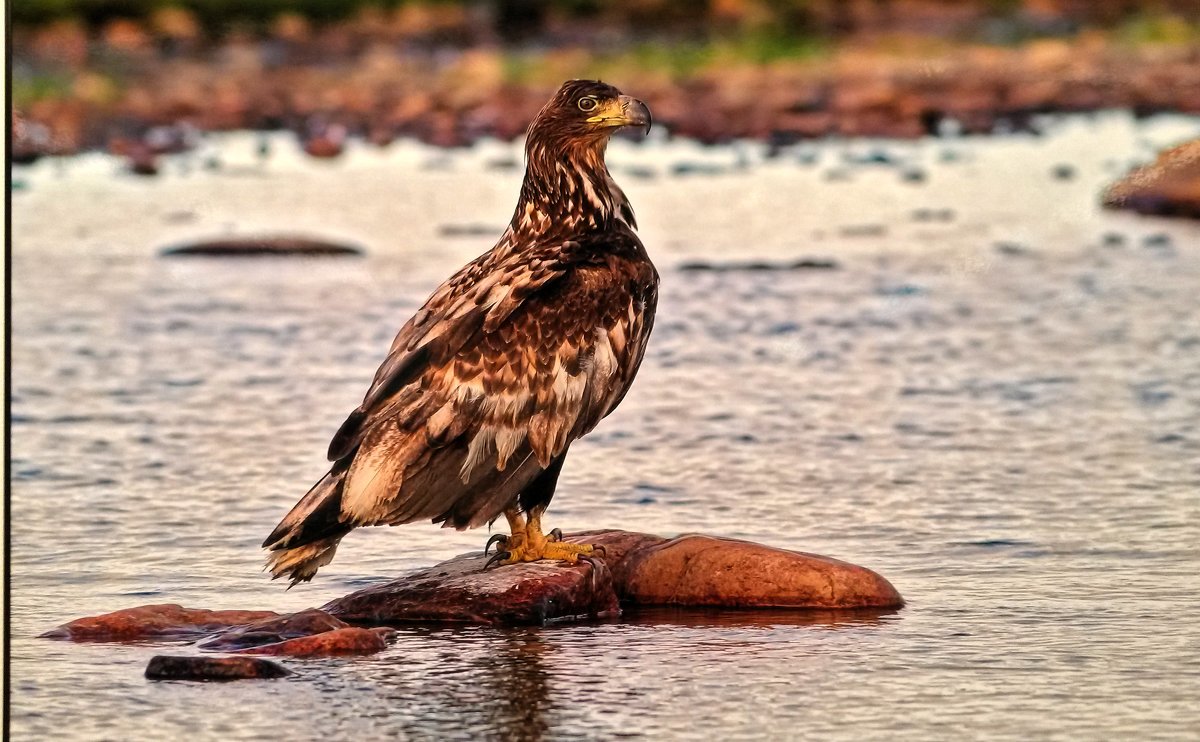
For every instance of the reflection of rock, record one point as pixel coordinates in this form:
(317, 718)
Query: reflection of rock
(262, 246)
(164, 667)
(154, 622)
(1170, 186)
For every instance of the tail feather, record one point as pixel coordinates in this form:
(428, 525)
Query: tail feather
(307, 537)
(301, 563)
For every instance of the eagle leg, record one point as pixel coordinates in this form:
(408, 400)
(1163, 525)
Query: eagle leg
(531, 545)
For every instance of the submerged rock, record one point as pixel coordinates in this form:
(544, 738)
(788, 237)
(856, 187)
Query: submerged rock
(348, 640)
(275, 629)
(1170, 186)
(164, 667)
(154, 622)
(262, 246)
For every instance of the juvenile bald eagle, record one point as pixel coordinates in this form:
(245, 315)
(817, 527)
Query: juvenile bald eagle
(513, 358)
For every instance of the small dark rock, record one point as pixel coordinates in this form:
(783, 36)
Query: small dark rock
(932, 215)
(261, 246)
(815, 264)
(863, 230)
(1013, 249)
(1063, 172)
(469, 230)
(1113, 239)
(759, 266)
(913, 175)
(165, 667)
(1159, 239)
(640, 172)
(697, 168)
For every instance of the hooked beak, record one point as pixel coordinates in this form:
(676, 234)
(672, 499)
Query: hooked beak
(625, 111)
(635, 113)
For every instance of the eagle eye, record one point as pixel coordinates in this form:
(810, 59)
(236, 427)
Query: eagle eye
(588, 103)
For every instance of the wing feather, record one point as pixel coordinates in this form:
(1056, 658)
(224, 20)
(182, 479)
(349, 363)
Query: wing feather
(505, 365)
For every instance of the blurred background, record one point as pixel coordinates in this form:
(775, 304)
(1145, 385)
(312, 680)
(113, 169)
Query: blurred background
(94, 73)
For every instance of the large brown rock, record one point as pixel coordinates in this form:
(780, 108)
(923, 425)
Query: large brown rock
(166, 621)
(697, 570)
(1170, 186)
(635, 568)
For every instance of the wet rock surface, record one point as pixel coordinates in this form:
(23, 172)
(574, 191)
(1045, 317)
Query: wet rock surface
(274, 630)
(461, 591)
(262, 246)
(164, 667)
(348, 640)
(165, 621)
(637, 568)
(697, 570)
(1170, 186)
(634, 569)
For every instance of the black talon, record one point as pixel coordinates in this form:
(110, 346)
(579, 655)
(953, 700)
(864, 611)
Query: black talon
(554, 535)
(599, 548)
(496, 538)
(499, 556)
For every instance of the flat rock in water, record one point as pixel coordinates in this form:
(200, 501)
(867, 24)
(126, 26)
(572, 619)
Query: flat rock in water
(154, 622)
(262, 246)
(349, 640)
(274, 630)
(1170, 186)
(635, 568)
(164, 667)
(461, 591)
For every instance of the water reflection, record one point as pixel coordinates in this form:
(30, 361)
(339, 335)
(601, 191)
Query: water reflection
(756, 618)
(443, 681)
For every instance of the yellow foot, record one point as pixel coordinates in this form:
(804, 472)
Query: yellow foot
(532, 546)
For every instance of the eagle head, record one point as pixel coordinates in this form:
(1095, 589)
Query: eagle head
(567, 186)
(585, 113)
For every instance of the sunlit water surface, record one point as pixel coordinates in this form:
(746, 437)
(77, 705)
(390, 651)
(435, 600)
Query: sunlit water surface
(993, 401)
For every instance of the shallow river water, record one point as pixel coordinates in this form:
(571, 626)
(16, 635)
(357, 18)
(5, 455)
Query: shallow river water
(992, 399)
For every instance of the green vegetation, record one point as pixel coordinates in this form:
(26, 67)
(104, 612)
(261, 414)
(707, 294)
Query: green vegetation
(29, 88)
(1154, 28)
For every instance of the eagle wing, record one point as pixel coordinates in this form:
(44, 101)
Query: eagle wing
(508, 362)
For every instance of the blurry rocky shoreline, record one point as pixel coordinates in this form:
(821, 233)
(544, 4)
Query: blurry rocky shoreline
(440, 74)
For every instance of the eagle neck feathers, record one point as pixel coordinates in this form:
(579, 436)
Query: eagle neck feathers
(567, 191)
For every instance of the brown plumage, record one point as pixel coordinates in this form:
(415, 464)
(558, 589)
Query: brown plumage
(518, 354)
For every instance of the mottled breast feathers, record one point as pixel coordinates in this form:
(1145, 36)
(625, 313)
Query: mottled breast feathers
(518, 354)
